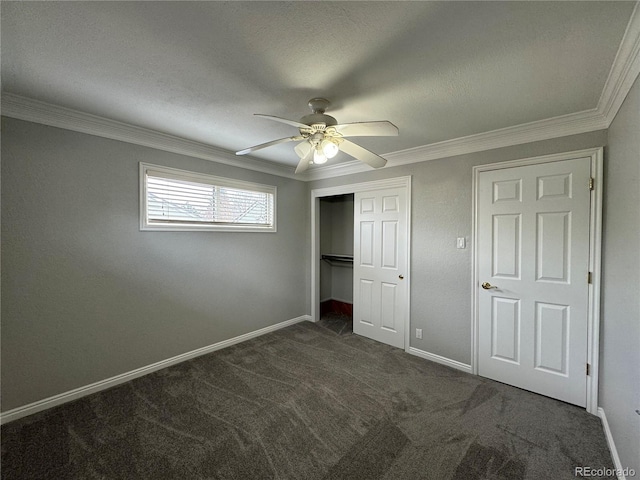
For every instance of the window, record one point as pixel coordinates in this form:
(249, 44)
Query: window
(172, 199)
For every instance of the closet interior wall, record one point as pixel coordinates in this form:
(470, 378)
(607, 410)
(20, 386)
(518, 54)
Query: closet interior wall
(336, 238)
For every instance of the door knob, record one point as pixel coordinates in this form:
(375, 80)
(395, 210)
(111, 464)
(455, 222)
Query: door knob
(400, 277)
(487, 286)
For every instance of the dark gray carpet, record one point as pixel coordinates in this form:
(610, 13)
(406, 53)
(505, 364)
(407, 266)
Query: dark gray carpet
(337, 322)
(306, 403)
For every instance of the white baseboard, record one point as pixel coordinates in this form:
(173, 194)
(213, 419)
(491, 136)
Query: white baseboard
(76, 393)
(612, 446)
(438, 359)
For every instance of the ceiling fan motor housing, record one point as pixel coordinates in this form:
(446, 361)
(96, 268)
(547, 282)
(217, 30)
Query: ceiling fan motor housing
(318, 107)
(318, 118)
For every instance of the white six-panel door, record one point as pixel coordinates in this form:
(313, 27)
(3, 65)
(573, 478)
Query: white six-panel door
(533, 257)
(380, 265)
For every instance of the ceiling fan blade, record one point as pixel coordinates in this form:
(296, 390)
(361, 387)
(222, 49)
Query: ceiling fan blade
(367, 129)
(293, 123)
(268, 144)
(362, 154)
(305, 162)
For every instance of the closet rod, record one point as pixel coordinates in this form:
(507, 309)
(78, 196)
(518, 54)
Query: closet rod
(332, 257)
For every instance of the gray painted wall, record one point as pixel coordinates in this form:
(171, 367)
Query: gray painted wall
(86, 295)
(620, 327)
(441, 212)
(342, 225)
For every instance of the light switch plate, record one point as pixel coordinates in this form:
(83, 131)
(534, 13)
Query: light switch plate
(461, 242)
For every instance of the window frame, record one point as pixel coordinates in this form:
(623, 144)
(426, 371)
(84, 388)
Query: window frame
(186, 175)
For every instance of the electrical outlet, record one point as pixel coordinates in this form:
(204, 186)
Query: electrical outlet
(418, 333)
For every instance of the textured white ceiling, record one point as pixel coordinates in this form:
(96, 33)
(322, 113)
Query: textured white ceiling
(199, 70)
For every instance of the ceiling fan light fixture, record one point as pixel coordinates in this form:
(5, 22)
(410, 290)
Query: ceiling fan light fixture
(323, 137)
(319, 157)
(329, 148)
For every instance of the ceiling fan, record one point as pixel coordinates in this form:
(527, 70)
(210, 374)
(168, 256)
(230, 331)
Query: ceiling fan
(322, 137)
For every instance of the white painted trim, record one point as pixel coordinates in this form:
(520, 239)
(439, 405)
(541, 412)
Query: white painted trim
(439, 359)
(474, 274)
(337, 170)
(553, 157)
(595, 260)
(362, 187)
(316, 194)
(315, 258)
(407, 327)
(571, 124)
(23, 108)
(76, 393)
(624, 71)
(565, 125)
(612, 446)
(595, 266)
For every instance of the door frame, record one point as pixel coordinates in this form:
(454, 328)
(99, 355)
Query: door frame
(316, 195)
(595, 258)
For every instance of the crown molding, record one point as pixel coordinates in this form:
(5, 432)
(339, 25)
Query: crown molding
(23, 108)
(562, 126)
(337, 170)
(623, 73)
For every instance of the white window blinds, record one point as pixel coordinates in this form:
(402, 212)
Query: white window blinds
(177, 200)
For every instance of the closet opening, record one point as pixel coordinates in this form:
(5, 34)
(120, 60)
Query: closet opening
(336, 263)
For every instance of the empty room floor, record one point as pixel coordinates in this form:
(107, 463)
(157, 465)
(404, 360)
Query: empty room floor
(306, 403)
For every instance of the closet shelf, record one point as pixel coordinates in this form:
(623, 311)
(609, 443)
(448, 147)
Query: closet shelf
(338, 260)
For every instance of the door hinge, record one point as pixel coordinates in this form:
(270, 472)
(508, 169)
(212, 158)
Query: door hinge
(588, 369)
(589, 278)
(592, 182)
